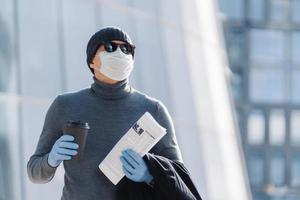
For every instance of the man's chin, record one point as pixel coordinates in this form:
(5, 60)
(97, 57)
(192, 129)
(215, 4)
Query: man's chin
(101, 77)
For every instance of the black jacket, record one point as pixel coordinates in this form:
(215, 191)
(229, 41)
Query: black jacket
(172, 181)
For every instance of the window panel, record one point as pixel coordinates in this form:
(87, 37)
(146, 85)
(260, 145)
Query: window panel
(39, 49)
(291, 198)
(277, 169)
(33, 114)
(278, 198)
(260, 196)
(2, 184)
(5, 56)
(295, 10)
(267, 85)
(256, 10)
(271, 54)
(277, 127)
(296, 86)
(236, 46)
(168, 10)
(296, 48)
(237, 85)
(149, 38)
(9, 148)
(7, 68)
(295, 171)
(232, 8)
(256, 127)
(78, 74)
(279, 10)
(149, 7)
(256, 169)
(122, 2)
(295, 128)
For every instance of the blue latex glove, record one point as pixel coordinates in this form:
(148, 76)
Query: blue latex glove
(63, 149)
(135, 167)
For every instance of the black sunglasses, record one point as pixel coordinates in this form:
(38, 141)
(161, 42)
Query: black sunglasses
(125, 47)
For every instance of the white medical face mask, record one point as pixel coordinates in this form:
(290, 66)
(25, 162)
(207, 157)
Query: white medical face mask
(116, 65)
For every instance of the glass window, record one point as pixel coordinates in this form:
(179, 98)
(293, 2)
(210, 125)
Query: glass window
(277, 127)
(110, 16)
(296, 86)
(256, 10)
(256, 127)
(266, 47)
(232, 8)
(236, 46)
(291, 198)
(279, 10)
(295, 170)
(5, 56)
(9, 148)
(169, 9)
(148, 6)
(174, 60)
(149, 38)
(39, 49)
(2, 184)
(260, 196)
(296, 10)
(33, 115)
(256, 169)
(277, 172)
(122, 2)
(239, 118)
(296, 48)
(188, 11)
(7, 71)
(295, 127)
(77, 74)
(279, 198)
(237, 85)
(267, 85)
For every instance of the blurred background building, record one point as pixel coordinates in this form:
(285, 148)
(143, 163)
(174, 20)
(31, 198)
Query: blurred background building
(263, 43)
(182, 60)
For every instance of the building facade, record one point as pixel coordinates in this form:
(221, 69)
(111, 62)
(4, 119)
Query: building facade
(180, 59)
(263, 43)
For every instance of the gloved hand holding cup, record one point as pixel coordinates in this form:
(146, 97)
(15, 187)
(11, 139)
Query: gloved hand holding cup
(71, 145)
(79, 131)
(63, 149)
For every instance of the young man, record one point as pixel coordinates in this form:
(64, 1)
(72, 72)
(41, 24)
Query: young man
(110, 106)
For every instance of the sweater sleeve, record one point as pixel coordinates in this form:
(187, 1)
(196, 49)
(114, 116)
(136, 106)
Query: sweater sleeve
(167, 146)
(38, 168)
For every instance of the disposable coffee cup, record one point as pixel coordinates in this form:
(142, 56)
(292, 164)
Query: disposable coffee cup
(79, 131)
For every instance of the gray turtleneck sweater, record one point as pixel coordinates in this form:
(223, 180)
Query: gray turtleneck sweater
(110, 111)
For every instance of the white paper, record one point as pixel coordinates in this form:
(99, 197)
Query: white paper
(141, 137)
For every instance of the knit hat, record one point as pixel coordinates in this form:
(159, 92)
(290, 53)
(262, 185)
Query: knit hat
(104, 35)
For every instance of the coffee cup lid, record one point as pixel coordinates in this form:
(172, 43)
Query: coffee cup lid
(78, 123)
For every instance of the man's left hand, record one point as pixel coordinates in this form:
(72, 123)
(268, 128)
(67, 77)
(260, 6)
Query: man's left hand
(135, 167)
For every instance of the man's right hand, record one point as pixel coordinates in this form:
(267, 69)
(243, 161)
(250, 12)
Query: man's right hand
(63, 149)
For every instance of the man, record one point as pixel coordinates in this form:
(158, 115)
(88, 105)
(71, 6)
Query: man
(110, 106)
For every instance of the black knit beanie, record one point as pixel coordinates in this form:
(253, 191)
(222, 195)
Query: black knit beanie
(104, 35)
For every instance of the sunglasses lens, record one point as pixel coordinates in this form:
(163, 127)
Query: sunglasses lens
(126, 48)
(110, 47)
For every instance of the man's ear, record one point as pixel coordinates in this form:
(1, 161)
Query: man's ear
(91, 65)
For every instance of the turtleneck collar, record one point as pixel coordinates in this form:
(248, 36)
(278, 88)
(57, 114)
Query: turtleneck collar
(111, 91)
